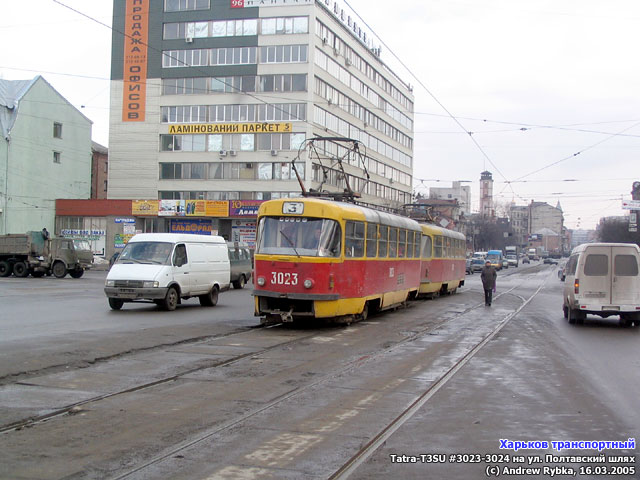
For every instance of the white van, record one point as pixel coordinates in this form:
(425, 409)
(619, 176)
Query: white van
(166, 267)
(602, 279)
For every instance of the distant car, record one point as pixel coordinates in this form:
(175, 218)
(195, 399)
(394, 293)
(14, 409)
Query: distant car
(550, 261)
(477, 264)
(525, 259)
(505, 263)
(513, 260)
(469, 268)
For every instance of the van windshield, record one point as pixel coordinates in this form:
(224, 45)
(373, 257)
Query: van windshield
(314, 237)
(146, 252)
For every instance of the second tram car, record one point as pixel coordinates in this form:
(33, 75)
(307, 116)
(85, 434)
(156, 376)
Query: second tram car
(442, 264)
(317, 258)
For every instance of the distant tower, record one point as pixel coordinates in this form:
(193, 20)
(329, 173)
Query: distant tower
(486, 194)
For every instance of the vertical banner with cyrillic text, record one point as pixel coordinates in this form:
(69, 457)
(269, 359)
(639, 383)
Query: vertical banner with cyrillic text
(136, 29)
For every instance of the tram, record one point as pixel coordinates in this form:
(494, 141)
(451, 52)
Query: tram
(324, 259)
(442, 263)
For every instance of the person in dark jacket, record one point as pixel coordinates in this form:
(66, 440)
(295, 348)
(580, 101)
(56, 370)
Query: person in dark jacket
(488, 277)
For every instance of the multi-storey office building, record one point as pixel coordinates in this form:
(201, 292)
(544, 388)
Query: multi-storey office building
(213, 99)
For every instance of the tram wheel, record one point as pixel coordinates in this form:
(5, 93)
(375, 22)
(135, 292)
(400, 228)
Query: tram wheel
(365, 311)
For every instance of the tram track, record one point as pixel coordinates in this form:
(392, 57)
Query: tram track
(385, 433)
(413, 334)
(67, 409)
(70, 408)
(350, 366)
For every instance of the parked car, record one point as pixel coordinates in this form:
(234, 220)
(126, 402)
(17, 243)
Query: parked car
(550, 261)
(241, 264)
(602, 279)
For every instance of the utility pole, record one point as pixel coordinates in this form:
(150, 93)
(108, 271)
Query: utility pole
(633, 213)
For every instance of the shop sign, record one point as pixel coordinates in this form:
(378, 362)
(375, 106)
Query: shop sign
(217, 208)
(244, 231)
(269, 3)
(68, 232)
(119, 240)
(134, 71)
(125, 220)
(195, 208)
(171, 208)
(631, 204)
(244, 208)
(195, 226)
(218, 128)
(144, 207)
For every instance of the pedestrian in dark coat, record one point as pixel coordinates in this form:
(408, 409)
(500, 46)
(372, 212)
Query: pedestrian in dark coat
(488, 277)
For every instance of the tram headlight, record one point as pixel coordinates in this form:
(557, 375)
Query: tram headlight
(261, 281)
(308, 283)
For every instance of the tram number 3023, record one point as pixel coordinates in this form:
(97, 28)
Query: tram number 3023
(284, 278)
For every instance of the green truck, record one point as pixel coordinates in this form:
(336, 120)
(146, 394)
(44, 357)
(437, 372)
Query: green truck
(36, 254)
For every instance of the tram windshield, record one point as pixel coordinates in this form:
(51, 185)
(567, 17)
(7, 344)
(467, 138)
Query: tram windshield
(158, 253)
(312, 237)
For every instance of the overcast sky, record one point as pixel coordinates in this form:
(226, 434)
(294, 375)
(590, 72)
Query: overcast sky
(549, 89)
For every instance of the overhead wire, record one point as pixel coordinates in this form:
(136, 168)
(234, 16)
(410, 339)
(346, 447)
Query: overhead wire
(453, 117)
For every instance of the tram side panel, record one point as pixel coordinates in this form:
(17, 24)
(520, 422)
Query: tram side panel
(333, 289)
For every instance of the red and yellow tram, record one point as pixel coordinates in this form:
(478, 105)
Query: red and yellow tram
(442, 266)
(317, 258)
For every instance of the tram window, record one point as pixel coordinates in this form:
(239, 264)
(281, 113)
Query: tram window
(409, 244)
(372, 239)
(427, 246)
(416, 245)
(438, 247)
(393, 242)
(354, 239)
(383, 234)
(402, 243)
(314, 237)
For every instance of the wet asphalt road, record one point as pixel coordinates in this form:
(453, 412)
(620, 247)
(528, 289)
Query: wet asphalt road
(221, 400)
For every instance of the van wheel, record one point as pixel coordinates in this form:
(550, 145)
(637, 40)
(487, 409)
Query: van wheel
(565, 311)
(5, 268)
(240, 283)
(576, 316)
(210, 299)
(59, 270)
(571, 315)
(20, 270)
(116, 303)
(170, 300)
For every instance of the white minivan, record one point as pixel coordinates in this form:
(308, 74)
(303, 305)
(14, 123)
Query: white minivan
(166, 267)
(602, 279)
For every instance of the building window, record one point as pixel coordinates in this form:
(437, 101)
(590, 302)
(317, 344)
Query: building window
(57, 130)
(57, 157)
(181, 5)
